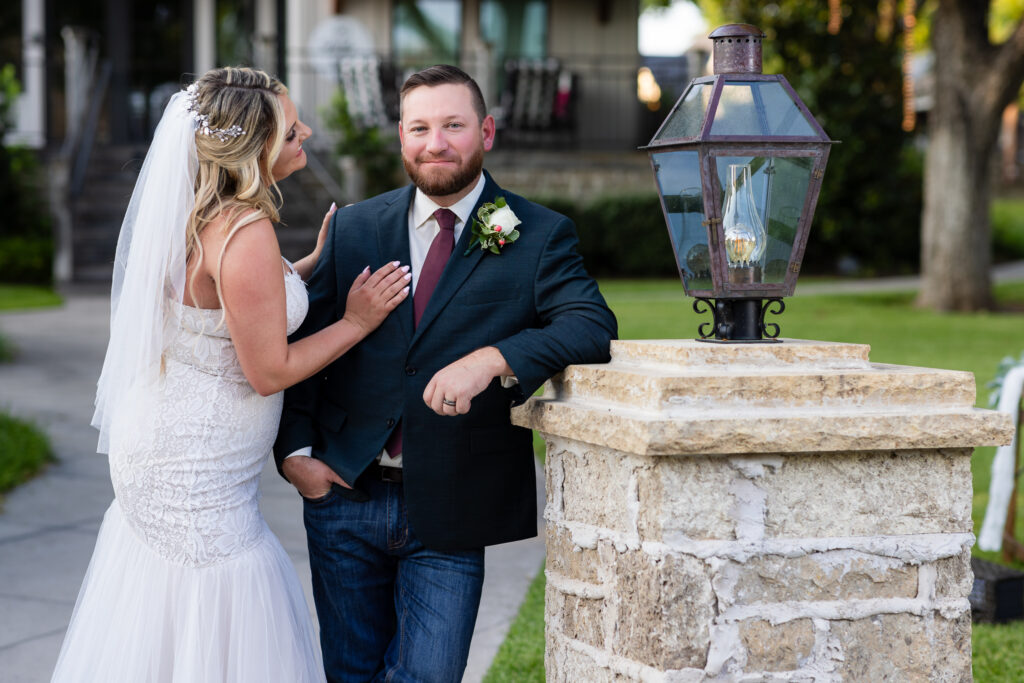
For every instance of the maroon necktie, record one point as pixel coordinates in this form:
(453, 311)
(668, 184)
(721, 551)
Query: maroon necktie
(433, 265)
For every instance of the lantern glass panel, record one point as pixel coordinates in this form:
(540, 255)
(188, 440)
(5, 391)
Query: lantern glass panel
(688, 118)
(762, 108)
(678, 175)
(779, 186)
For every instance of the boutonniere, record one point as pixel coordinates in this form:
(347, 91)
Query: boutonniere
(494, 226)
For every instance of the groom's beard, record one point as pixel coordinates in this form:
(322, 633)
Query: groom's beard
(436, 182)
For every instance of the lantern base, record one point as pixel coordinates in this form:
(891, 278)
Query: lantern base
(739, 320)
(712, 340)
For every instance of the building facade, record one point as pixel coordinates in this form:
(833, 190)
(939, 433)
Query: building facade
(560, 77)
(561, 71)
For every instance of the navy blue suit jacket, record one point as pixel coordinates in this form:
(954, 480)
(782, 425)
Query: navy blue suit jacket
(469, 479)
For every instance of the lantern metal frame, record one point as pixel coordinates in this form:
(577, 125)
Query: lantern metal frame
(737, 306)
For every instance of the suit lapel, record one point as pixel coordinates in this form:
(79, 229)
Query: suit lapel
(459, 266)
(393, 245)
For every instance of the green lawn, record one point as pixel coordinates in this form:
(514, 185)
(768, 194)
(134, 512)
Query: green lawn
(521, 656)
(24, 450)
(998, 652)
(26, 296)
(897, 333)
(15, 297)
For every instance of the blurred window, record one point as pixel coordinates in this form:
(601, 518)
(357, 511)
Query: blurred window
(426, 32)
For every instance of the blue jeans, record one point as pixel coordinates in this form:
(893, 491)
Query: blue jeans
(389, 608)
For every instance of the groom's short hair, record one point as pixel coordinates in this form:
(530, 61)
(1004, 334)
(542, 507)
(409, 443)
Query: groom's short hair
(440, 74)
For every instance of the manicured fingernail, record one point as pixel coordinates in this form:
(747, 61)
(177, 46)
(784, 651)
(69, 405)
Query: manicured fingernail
(405, 289)
(408, 276)
(405, 269)
(333, 206)
(395, 263)
(366, 269)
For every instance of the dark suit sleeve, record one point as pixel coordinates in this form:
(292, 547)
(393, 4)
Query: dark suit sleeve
(575, 324)
(297, 428)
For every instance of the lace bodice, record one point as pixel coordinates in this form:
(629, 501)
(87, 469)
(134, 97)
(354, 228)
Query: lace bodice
(200, 337)
(186, 463)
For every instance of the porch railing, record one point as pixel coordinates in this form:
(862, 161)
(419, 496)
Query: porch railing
(586, 103)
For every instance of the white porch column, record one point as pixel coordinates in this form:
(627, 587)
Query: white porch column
(205, 35)
(297, 33)
(30, 126)
(476, 59)
(265, 48)
(308, 91)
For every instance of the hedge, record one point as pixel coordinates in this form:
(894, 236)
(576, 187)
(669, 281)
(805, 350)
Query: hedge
(621, 236)
(625, 236)
(26, 260)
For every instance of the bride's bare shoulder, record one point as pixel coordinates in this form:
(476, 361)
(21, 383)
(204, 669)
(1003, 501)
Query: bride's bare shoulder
(231, 228)
(250, 248)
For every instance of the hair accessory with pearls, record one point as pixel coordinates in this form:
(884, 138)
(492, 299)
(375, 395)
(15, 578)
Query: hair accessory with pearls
(203, 120)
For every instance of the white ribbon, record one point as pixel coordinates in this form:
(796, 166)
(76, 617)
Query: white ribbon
(1001, 487)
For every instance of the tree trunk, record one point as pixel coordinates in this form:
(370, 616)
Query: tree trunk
(974, 81)
(955, 229)
(956, 233)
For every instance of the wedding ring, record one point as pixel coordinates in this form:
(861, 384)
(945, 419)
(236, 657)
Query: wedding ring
(447, 402)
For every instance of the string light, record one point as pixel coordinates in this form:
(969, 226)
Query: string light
(886, 18)
(909, 22)
(835, 16)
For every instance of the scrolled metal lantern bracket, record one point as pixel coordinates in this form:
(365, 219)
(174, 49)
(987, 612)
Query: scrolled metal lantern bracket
(738, 320)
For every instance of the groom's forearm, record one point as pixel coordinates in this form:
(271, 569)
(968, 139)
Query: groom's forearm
(481, 365)
(489, 362)
(457, 384)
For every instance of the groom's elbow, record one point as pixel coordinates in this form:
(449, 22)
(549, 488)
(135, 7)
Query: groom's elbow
(597, 327)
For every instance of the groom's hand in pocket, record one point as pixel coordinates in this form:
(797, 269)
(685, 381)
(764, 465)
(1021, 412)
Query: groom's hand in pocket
(312, 477)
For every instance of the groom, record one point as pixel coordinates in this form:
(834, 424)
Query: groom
(403, 449)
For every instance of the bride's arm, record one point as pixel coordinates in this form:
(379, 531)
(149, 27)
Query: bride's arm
(304, 266)
(252, 286)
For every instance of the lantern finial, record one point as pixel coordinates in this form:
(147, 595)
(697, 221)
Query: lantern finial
(737, 49)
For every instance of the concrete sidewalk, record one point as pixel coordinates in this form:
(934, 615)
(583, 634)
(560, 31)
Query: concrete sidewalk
(1004, 272)
(48, 526)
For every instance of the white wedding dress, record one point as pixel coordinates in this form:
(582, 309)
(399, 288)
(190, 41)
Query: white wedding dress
(187, 584)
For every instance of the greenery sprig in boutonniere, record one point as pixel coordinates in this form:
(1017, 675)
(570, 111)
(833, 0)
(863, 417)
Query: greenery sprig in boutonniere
(494, 227)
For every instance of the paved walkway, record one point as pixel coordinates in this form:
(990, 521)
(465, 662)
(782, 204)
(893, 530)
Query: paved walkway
(48, 526)
(1004, 272)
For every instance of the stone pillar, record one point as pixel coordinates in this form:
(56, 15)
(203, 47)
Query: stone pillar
(758, 512)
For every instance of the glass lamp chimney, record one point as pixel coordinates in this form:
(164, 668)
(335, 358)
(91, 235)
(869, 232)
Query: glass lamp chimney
(745, 236)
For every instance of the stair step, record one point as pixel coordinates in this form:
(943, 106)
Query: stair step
(107, 194)
(93, 273)
(107, 188)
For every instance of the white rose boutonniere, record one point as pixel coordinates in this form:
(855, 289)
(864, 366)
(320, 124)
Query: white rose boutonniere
(494, 227)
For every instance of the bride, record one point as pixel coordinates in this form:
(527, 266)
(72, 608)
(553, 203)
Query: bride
(187, 583)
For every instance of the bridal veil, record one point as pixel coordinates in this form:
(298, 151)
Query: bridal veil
(149, 266)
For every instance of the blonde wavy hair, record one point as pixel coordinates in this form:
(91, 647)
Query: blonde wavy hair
(235, 177)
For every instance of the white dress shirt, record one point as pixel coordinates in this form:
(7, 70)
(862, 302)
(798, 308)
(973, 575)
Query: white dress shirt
(423, 228)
